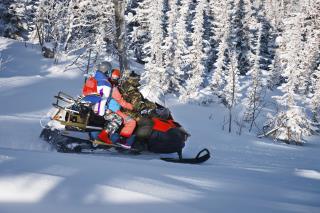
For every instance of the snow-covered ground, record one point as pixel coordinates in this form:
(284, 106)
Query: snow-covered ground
(245, 174)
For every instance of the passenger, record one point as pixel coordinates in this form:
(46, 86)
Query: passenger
(104, 88)
(130, 91)
(129, 124)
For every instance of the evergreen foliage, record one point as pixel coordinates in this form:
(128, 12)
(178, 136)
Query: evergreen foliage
(198, 50)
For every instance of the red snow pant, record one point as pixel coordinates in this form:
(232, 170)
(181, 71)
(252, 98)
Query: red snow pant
(129, 124)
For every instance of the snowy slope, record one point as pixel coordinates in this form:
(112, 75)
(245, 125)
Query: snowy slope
(246, 174)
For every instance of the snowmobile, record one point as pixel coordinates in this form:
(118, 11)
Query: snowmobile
(73, 123)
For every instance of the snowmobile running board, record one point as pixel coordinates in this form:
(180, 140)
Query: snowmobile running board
(200, 158)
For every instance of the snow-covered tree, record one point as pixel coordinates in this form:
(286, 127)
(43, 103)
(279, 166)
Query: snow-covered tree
(218, 77)
(73, 25)
(121, 34)
(309, 51)
(155, 75)
(31, 7)
(180, 56)
(315, 99)
(274, 12)
(275, 77)
(48, 21)
(231, 91)
(239, 34)
(140, 34)
(256, 84)
(196, 55)
(170, 45)
(12, 19)
(291, 123)
(219, 9)
(209, 36)
(221, 31)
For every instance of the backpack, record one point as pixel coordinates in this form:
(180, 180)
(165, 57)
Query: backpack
(166, 137)
(162, 136)
(90, 87)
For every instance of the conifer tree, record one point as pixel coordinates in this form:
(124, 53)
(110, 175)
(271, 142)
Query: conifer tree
(197, 56)
(315, 98)
(239, 35)
(253, 99)
(170, 46)
(140, 34)
(12, 19)
(155, 76)
(309, 51)
(291, 123)
(221, 32)
(180, 60)
(231, 91)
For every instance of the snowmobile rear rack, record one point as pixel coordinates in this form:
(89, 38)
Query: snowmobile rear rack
(73, 114)
(65, 108)
(65, 97)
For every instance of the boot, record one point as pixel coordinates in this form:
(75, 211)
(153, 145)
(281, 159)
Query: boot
(104, 136)
(129, 142)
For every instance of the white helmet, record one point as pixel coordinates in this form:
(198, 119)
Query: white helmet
(105, 67)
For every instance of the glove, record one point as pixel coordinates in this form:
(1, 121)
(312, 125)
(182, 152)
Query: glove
(145, 111)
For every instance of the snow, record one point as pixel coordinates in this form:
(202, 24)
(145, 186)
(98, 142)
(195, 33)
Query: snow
(245, 173)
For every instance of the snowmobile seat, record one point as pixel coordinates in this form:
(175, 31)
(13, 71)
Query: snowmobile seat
(93, 99)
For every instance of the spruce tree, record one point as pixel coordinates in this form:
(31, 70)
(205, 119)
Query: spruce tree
(12, 19)
(291, 122)
(155, 78)
(170, 46)
(231, 91)
(315, 97)
(256, 85)
(196, 55)
(221, 32)
(180, 60)
(140, 34)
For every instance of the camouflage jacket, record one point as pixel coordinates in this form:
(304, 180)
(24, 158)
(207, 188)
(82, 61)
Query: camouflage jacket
(130, 93)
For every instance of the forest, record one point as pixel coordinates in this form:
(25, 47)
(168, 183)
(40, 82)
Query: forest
(248, 54)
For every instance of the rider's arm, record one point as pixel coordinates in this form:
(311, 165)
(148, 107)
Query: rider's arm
(116, 95)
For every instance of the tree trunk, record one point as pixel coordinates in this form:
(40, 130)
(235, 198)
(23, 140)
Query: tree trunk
(230, 119)
(119, 8)
(40, 37)
(88, 66)
(254, 108)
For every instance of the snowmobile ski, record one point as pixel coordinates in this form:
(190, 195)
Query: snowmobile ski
(201, 157)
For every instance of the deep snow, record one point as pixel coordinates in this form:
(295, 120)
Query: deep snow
(246, 174)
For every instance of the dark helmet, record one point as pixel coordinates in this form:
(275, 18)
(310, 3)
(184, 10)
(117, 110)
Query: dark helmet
(105, 67)
(115, 76)
(134, 79)
(162, 112)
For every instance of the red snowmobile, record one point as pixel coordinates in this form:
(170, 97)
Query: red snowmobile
(73, 123)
